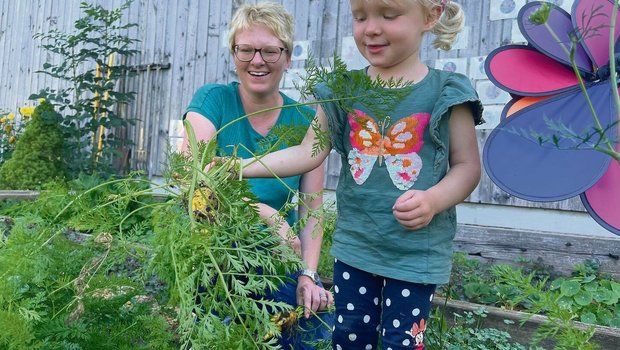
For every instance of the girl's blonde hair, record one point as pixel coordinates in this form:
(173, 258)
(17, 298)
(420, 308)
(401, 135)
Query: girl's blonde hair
(450, 23)
(272, 15)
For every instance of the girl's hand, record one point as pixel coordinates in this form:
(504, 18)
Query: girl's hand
(414, 209)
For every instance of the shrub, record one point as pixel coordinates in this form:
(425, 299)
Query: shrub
(36, 159)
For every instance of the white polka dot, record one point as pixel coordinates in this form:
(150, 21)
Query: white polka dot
(388, 302)
(406, 342)
(376, 300)
(340, 319)
(346, 275)
(350, 307)
(396, 323)
(383, 332)
(336, 289)
(415, 312)
(352, 337)
(406, 292)
(366, 319)
(368, 347)
(333, 329)
(389, 349)
(431, 298)
(362, 290)
(338, 347)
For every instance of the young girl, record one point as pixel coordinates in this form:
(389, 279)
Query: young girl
(408, 168)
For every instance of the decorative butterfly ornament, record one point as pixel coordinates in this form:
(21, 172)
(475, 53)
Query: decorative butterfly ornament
(398, 146)
(544, 147)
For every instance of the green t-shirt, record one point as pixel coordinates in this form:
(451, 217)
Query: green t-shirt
(221, 104)
(384, 157)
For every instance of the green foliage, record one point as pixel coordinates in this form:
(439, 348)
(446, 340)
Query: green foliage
(326, 260)
(587, 296)
(89, 103)
(78, 290)
(594, 299)
(35, 160)
(211, 246)
(466, 332)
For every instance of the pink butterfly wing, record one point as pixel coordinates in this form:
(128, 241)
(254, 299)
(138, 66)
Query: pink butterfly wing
(404, 139)
(365, 140)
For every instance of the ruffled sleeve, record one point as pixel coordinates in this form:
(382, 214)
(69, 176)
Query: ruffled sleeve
(456, 90)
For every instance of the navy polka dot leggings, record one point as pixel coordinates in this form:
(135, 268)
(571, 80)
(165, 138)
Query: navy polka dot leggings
(372, 310)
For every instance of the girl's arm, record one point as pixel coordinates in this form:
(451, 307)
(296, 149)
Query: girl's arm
(294, 160)
(414, 209)
(273, 218)
(309, 294)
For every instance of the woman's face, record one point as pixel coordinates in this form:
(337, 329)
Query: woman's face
(257, 76)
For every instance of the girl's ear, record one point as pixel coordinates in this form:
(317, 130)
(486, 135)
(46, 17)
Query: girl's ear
(433, 17)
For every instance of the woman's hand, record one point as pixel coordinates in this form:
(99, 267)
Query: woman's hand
(313, 297)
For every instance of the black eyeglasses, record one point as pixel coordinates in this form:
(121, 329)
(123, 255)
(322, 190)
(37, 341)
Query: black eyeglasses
(270, 54)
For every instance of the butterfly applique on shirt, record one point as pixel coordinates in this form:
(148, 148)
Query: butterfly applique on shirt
(398, 146)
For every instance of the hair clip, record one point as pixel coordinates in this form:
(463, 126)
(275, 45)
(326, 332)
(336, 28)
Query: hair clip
(443, 4)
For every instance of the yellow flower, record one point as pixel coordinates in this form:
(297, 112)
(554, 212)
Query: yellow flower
(26, 111)
(12, 139)
(11, 116)
(3, 120)
(41, 100)
(8, 128)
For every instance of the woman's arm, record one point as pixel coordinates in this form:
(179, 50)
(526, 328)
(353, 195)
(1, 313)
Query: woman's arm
(313, 297)
(295, 160)
(415, 209)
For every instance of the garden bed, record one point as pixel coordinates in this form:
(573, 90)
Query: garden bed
(606, 337)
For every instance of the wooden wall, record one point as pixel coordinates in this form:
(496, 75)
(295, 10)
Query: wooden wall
(183, 47)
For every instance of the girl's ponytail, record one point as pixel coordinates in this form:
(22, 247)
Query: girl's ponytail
(449, 25)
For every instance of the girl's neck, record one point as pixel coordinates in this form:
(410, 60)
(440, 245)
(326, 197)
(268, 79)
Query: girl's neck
(408, 73)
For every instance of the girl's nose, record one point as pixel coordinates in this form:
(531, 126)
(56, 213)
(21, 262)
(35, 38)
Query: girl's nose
(373, 27)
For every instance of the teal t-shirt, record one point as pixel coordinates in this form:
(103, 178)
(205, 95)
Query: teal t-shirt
(406, 147)
(221, 104)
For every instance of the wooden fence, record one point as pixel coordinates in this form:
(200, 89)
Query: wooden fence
(182, 46)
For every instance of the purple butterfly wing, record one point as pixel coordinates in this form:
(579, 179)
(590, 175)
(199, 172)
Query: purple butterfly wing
(517, 163)
(540, 36)
(593, 20)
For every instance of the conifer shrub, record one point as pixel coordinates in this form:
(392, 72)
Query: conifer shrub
(37, 157)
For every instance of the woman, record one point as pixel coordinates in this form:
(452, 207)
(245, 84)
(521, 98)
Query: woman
(261, 40)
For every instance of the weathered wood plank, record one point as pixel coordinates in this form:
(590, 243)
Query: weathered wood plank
(20, 195)
(560, 251)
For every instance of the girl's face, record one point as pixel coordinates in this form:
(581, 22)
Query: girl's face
(258, 77)
(389, 33)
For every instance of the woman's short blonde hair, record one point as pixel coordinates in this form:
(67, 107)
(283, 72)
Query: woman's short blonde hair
(272, 15)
